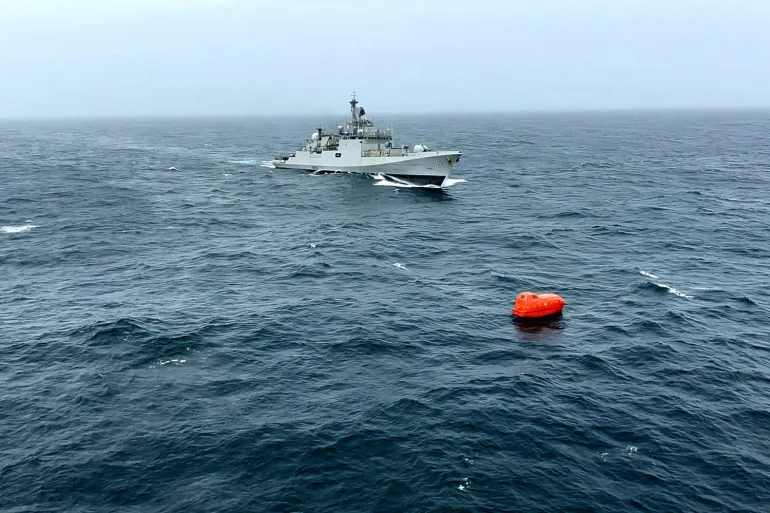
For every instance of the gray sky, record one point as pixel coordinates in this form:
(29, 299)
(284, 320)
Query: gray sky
(191, 57)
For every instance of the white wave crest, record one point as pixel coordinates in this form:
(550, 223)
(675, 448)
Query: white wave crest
(17, 229)
(386, 181)
(669, 288)
(674, 291)
(399, 265)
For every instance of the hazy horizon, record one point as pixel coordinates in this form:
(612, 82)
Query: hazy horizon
(224, 58)
(380, 117)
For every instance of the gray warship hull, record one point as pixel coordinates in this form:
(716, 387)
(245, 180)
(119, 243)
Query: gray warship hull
(425, 168)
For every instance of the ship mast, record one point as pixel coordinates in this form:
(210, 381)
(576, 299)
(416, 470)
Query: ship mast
(354, 111)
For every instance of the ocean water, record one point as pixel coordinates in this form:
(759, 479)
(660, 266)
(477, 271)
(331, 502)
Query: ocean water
(185, 329)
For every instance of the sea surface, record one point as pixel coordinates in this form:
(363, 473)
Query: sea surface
(184, 328)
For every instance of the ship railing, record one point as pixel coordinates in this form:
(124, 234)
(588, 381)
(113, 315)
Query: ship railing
(392, 152)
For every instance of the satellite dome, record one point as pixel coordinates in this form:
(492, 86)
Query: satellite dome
(315, 136)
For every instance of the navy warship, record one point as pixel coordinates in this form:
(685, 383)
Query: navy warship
(359, 146)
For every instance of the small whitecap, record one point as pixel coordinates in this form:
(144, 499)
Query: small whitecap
(17, 229)
(675, 291)
(669, 288)
(172, 168)
(177, 361)
(465, 484)
(399, 265)
(312, 245)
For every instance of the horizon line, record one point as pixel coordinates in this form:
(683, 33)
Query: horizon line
(576, 110)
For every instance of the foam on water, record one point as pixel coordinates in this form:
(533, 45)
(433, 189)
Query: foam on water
(674, 291)
(17, 229)
(388, 183)
(176, 361)
(385, 181)
(669, 288)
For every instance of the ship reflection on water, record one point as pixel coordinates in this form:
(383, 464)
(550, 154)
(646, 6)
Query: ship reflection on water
(545, 324)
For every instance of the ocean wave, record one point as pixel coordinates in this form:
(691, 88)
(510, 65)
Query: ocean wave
(592, 164)
(655, 284)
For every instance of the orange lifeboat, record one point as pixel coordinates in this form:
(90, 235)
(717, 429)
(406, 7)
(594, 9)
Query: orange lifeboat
(529, 305)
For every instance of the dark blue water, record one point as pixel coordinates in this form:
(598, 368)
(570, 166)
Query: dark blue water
(222, 336)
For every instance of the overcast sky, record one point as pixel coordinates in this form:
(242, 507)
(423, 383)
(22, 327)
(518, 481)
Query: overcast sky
(193, 57)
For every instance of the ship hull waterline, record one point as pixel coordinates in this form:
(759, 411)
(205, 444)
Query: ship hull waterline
(431, 168)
